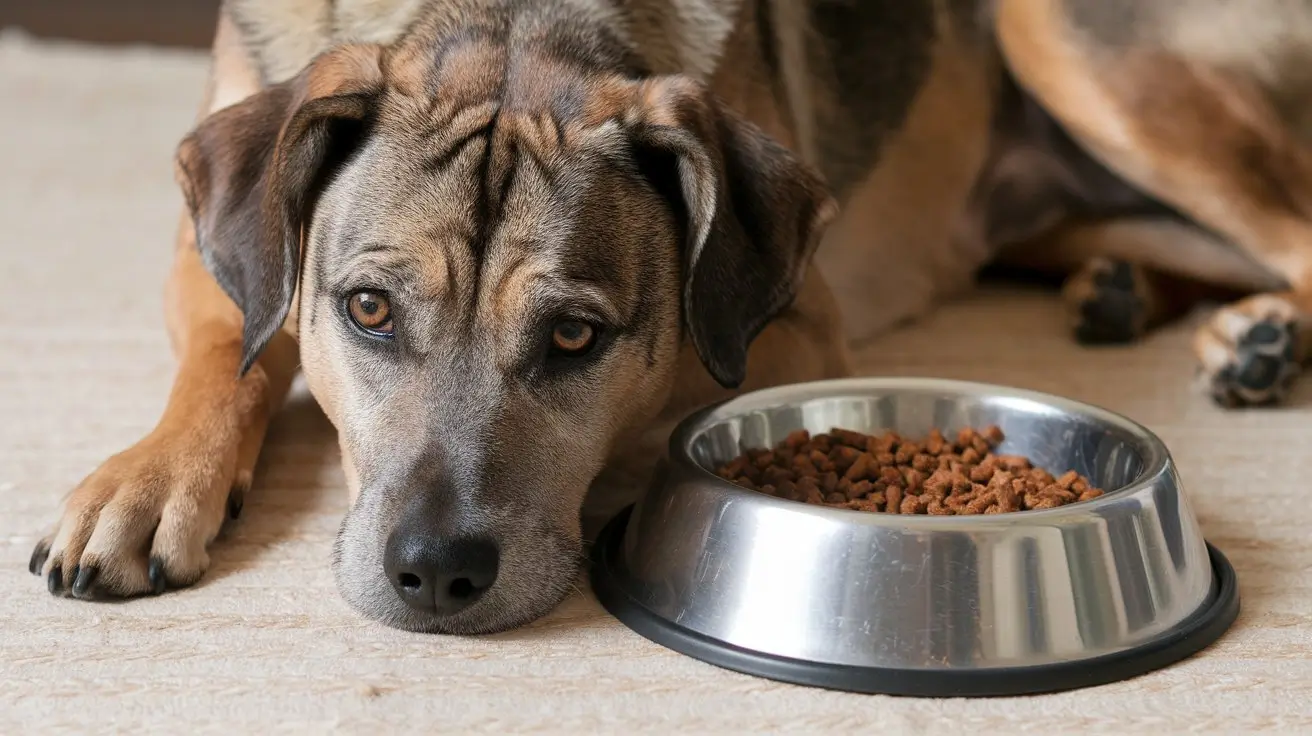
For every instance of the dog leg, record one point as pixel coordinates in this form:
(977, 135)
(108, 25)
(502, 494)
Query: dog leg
(1206, 141)
(142, 521)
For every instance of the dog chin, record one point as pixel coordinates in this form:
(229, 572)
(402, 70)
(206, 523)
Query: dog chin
(522, 593)
(492, 615)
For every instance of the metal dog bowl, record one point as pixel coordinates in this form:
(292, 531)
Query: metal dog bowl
(1007, 604)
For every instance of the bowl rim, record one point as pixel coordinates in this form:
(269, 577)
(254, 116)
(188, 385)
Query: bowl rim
(1157, 460)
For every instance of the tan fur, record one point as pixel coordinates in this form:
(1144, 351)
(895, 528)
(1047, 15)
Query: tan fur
(895, 252)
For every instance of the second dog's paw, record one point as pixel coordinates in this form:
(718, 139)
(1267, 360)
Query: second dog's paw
(1108, 301)
(139, 524)
(1249, 353)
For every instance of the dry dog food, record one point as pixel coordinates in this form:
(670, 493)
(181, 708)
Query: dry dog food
(895, 475)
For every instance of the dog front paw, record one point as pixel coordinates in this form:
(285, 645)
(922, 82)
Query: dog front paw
(1108, 301)
(1250, 352)
(141, 522)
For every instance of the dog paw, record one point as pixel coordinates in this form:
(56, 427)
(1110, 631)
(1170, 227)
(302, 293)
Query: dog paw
(140, 523)
(1249, 352)
(1108, 300)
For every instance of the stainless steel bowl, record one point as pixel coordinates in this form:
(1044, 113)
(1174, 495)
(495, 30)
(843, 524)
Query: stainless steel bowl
(1014, 603)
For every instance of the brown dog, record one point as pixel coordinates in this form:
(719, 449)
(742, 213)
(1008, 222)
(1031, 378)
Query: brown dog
(505, 238)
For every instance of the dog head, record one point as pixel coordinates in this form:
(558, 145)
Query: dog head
(492, 252)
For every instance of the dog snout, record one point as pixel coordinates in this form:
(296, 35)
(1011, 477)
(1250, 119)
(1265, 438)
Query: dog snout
(439, 574)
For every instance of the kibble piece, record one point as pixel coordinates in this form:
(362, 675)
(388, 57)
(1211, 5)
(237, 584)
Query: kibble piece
(934, 443)
(829, 482)
(861, 468)
(893, 499)
(912, 505)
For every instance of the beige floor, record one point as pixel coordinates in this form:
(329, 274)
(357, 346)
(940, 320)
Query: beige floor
(87, 211)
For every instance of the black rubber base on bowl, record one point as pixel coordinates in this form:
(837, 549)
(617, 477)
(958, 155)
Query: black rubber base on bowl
(1193, 634)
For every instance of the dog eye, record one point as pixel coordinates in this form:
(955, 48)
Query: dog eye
(572, 338)
(371, 311)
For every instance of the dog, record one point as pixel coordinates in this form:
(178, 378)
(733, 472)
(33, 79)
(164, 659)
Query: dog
(510, 242)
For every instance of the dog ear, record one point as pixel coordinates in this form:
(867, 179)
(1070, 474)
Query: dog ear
(753, 212)
(249, 173)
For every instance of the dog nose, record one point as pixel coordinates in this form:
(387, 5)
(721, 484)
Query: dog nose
(440, 575)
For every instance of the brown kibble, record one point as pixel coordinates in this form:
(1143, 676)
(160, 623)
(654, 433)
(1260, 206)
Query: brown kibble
(915, 479)
(912, 505)
(843, 457)
(934, 443)
(829, 482)
(808, 484)
(897, 475)
(981, 473)
(1000, 478)
(855, 440)
(861, 468)
(1013, 463)
(965, 437)
(983, 501)
(774, 474)
(1008, 498)
(905, 454)
(958, 502)
(939, 484)
(1062, 496)
(893, 499)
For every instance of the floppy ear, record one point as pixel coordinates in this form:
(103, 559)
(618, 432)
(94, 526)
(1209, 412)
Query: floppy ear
(249, 173)
(754, 215)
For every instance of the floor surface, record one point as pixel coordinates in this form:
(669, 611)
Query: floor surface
(87, 215)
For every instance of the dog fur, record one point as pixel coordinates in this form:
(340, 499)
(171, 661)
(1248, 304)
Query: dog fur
(669, 171)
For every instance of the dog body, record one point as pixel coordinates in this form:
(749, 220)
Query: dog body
(510, 243)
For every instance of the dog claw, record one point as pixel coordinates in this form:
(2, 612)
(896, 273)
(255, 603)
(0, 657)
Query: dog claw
(39, 555)
(55, 581)
(83, 579)
(157, 581)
